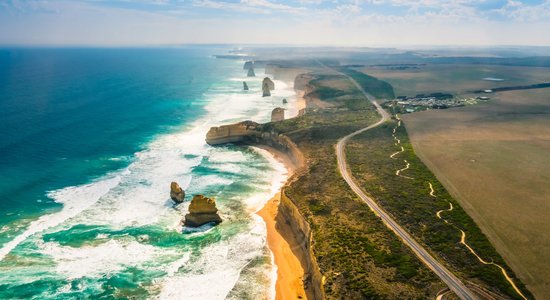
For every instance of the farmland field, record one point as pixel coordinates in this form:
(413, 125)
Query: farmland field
(456, 78)
(493, 158)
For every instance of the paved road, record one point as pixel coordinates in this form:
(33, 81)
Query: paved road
(446, 276)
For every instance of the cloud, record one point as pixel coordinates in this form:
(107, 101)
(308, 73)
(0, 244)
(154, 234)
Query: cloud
(337, 22)
(519, 11)
(257, 6)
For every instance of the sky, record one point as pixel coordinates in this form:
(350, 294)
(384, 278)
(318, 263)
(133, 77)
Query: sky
(293, 22)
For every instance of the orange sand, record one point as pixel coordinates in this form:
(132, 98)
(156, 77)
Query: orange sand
(290, 273)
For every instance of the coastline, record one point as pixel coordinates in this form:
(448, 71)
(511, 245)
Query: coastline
(289, 271)
(289, 282)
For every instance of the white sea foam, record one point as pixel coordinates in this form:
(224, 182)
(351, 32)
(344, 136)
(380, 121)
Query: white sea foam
(102, 260)
(74, 199)
(138, 196)
(215, 272)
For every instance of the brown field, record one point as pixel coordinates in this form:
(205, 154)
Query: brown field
(495, 160)
(455, 78)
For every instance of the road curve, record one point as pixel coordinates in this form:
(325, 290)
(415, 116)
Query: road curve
(446, 276)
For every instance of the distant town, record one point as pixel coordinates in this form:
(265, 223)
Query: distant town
(420, 102)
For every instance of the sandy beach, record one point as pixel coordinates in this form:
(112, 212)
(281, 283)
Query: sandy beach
(289, 283)
(290, 273)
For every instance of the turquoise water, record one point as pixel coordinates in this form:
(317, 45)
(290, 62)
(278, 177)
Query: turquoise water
(90, 141)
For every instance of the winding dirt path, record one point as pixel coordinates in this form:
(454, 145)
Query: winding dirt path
(393, 155)
(463, 242)
(398, 172)
(439, 212)
(454, 283)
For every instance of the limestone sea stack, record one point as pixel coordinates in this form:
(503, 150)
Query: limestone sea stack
(278, 114)
(251, 73)
(248, 65)
(176, 192)
(245, 86)
(202, 210)
(267, 86)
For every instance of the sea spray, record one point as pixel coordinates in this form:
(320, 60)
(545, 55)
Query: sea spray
(117, 234)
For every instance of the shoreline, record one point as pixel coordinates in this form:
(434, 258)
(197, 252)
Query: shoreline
(289, 281)
(289, 271)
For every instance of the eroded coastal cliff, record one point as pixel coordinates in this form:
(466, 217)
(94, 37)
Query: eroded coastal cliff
(255, 134)
(345, 251)
(291, 224)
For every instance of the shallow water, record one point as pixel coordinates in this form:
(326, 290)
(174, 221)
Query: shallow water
(92, 140)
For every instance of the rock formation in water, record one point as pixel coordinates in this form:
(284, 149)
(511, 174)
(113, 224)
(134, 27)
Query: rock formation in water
(251, 73)
(265, 91)
(248, 65)
(269, 83)
(267, 87)
(202, 210)
(278, 114)
(245, 86)
(285, 101)
(176, 192)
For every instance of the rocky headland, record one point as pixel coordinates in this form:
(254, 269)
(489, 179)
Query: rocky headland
(291, 225)
(255, 134)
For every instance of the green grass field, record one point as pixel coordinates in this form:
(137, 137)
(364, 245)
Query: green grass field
(494, 160)
(408, 200)
(359, 257)
(456, 79)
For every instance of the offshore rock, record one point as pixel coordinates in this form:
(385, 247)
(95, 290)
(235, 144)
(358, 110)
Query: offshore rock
(278, 114)
(285, 101)
(202, 210)
(245, 86)
(251, 73)
(248, 65)
(267, 87)
(176, 192)
(269, 82)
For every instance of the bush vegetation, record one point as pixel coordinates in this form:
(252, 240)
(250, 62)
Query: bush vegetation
(374, 86)
(358, 255)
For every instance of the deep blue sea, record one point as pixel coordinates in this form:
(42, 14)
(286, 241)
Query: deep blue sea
(90, 140)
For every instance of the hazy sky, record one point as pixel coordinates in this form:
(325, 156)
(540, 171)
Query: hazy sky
(301, 22)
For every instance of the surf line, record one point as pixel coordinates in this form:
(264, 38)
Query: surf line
(463, 242)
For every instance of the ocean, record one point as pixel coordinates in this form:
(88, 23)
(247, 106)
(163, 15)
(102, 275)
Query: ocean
(90, 140)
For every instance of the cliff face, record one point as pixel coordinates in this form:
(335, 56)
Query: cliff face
(295, 229)
(290, 223)
(252, 133)
(301, 83)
